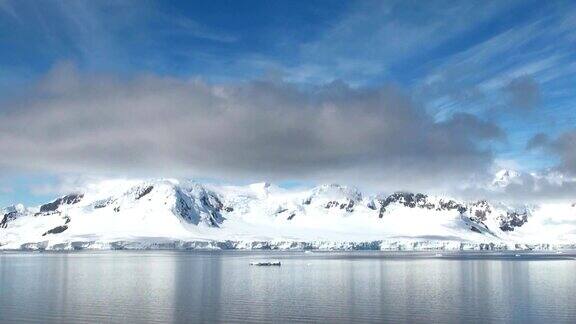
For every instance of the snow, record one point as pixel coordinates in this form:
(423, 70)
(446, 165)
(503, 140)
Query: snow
(505, 177)
(168, 213)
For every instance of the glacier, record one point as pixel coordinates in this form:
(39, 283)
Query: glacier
(182, 214)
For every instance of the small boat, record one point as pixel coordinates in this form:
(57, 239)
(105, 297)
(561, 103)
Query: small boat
(266, 264)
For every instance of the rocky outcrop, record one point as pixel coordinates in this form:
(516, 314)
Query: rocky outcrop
(143, 192)
(451, 205)
(512, 220)
(56, 230)
(411, 200)
(348, 205)
(11, 213)
(7, 218)
(198, 205)
(66, 200)
(477, 212)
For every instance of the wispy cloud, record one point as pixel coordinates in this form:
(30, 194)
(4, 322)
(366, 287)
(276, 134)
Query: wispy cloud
(7, 8)
(195, 29)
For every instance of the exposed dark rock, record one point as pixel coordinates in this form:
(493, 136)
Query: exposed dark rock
(103, 203)
(480, 215)
(144, 192)
(56, 230)
(450, 205)
(66, 200)
(214, 219)
(211, 201)
(229, 209)
(372, 205)
(479, 211)
(331, 204)
(8, 217)
(291, 216)
(512, 220)
(281, 210)
(350, 206)
(117, 208)
(207, 208)
(404, 198)
(475, 229)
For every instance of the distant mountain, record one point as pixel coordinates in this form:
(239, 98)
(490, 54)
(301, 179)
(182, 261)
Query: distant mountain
(173, 214)
(505, 177)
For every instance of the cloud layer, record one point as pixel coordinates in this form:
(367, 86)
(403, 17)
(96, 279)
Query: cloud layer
(565, 147)
(253, 130)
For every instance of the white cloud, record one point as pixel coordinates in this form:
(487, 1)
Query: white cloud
(254, 130)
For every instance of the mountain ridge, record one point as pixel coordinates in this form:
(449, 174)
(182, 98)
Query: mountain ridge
(160, 210)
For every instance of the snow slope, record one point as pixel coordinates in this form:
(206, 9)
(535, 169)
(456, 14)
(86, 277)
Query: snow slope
(184, 214)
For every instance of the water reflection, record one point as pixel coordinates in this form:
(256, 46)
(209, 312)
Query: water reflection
(158, 286)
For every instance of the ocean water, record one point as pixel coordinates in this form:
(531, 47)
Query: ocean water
(328, 287)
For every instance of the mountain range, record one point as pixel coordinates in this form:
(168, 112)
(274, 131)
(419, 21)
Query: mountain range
(166, 213)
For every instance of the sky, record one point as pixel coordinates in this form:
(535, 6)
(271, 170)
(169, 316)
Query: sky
(383, 95)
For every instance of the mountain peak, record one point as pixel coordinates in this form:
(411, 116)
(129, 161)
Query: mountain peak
(335, 188)
(505, 177)
(188, 210)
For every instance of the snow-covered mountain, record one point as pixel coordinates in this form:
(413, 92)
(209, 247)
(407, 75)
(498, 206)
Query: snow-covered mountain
(171, 213)
(505, 177)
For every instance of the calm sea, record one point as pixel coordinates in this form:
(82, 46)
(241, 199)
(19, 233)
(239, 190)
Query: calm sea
(196, 287)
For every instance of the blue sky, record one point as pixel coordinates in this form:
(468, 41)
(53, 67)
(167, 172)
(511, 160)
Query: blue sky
(510, 63)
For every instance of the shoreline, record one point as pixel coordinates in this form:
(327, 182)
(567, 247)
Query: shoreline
(285, 245)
